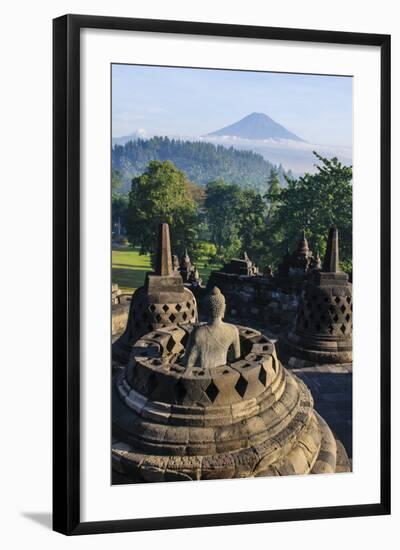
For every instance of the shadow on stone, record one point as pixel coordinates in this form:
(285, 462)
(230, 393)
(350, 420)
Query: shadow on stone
(332, 395)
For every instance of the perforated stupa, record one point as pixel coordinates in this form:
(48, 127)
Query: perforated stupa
(213, 401)
(162, 302)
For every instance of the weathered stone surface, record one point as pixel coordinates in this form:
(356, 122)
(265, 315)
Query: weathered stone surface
(169, 423)
(323, 331)
(208, 344)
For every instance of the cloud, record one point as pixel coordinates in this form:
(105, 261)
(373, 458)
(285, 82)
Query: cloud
(296, 156)
(293, 155)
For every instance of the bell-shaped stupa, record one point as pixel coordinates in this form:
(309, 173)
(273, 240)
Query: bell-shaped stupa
(163, 301)
(323, 331)
(212, 401)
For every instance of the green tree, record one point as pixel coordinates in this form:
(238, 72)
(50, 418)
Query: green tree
(273, 193)
(251, 216)
(116, 181)
(236, 219)
(222, 207)
(315, 202)
(161, 194)
(119, 207)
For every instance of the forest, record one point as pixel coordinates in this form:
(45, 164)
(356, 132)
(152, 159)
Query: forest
(202, 162)
(221, 220)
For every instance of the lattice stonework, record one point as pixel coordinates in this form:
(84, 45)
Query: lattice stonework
(149, 316)
(247, 418)
(323, 311)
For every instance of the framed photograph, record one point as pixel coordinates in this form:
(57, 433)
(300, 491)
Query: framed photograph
(221, 202)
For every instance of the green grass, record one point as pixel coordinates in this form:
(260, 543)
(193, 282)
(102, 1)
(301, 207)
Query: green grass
(129, 268)
(205, 269)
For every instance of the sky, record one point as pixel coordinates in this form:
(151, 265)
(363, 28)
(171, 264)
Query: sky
(185, 102)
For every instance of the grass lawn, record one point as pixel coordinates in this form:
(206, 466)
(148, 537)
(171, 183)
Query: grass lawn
(129, 268)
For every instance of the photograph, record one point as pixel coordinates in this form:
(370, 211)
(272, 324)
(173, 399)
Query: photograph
(232, 268)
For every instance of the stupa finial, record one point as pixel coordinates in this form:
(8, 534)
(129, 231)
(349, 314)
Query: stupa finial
(164, 257)
(331, 260)
(302, 247)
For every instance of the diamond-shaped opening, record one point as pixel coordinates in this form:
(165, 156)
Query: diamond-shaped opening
(184, 315)
(172, 318)
(337, 299)
(158, 317)
(241, 386)
(348, 299)
(262, 376)
(188, 305)
(347, 317)
(180, 391)
(165, 308)
(151, 384)
(152, 308)
(343, 309)
(170, 344)
(336, 318)
(212, 391)
(343, 328)
(332, 309)
(178, 307)
(192, 312)
(330, 329)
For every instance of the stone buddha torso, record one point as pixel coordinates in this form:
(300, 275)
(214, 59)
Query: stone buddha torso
(210, 342)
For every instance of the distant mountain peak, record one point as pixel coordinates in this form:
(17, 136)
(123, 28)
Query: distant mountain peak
(256, 126)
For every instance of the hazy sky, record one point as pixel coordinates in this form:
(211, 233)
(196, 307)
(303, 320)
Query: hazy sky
(194, 102)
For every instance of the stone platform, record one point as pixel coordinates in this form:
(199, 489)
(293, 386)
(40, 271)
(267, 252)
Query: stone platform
(331, 387)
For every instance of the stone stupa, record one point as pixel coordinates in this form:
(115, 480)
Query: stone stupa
(163, 301)
(323, 330)
(212, 401)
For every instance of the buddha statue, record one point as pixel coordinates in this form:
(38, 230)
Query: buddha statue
(210, 342)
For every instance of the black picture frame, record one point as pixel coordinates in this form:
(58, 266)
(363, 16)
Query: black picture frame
(66, 272)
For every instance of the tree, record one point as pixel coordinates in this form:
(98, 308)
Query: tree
(118, 212)
(116, 181)
(273, 193)
(314, 203)
(236, 219)
(161, 194)
(222, 207)
(251, 218)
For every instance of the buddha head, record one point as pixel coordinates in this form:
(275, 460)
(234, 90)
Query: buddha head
(214, 304)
